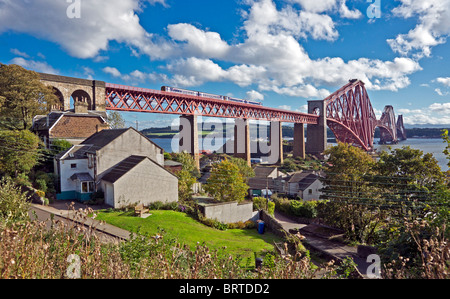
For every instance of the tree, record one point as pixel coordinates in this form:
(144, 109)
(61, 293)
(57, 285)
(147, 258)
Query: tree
(352, 204)
(226, 182)
(59, 145)
(185, 183)
(446, 152)
(188, 163)
(246, 170)
(409, 178)
(22, 96)
(115, 120)
(19, 152)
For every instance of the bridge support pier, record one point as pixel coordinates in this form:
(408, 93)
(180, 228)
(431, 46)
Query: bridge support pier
(242, 140)
(189, 137)
(317, 134)
(276, 143)
(299, 141)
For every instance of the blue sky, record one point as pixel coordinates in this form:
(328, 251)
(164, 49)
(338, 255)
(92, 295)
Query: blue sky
(282, 53)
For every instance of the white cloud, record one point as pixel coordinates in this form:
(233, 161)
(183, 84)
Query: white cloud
(101, 21)
(432, 29)
(198, 42)
(285, 107)
(440, 108)
(441, 93)
(112, 71)
(435, 114)
(37, 66)
(19, 53)
(444, 81)
(329, 6)
(269, 56)
(255, 96)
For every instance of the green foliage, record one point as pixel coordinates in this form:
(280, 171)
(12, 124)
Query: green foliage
(22, 96)
(305, 209)
(13, 203)
(245, 170)
(59, 145)
(262, 203)
(226, 182)
(185, 182)
(19, 152)
(446, 151)
(115, 120)
(188, 163)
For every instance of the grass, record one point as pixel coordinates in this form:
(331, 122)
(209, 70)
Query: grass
(188, 231)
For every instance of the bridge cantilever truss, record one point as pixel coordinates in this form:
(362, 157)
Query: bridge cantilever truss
(126, 98)
(351, 117)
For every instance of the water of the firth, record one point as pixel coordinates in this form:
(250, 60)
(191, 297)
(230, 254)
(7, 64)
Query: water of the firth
(433, 146)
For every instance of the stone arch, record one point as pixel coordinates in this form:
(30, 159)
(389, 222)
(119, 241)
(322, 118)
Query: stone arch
(60, 105)
(82, 97)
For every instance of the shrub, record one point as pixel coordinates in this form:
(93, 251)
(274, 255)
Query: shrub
(13, 203)
(282, 204)
(41, 185)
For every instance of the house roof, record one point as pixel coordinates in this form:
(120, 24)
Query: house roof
(258, 183)
(263, 171)
(307, 181)
(104, 137)
(74, 153)
(117, 171)
(123, 167)
(298, 176)
(40, 121)
(82, 177)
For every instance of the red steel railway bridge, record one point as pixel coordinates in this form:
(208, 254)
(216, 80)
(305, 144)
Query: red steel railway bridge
(348, 112)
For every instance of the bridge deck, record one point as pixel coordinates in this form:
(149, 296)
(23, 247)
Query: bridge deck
(128, 98)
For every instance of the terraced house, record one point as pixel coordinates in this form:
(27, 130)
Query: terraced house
(122, 163)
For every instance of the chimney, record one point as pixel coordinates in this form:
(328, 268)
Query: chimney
(80, 107)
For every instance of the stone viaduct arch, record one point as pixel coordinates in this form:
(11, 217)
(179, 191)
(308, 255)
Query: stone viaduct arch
(89, 92)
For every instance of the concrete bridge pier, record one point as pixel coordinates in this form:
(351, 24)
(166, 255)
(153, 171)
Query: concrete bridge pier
(242, 139)
(189, 137)
(299, 141)
(317, 134)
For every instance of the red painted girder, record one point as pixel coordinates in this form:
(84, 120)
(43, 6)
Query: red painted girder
(128, 98)
(350, 115)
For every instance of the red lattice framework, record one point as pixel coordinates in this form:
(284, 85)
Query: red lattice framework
(127, 98)
(351, 117)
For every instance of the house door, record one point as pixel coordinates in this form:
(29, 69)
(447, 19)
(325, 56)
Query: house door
(109, 195)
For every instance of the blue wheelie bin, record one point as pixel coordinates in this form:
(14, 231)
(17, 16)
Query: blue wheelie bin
(261, 227)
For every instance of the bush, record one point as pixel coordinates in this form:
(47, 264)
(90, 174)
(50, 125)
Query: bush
(299, 208)
(282, 204)
(13, 203)
(306, 209)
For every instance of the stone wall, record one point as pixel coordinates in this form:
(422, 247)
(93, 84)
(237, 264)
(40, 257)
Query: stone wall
(272, 224)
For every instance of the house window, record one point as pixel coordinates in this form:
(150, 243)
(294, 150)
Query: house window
(310, 191)
(87, 187)
(74, 165)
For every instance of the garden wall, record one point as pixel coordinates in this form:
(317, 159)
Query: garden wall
(272, 224)
(229, 212)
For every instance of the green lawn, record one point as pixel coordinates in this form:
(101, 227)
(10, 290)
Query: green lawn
(188, 231)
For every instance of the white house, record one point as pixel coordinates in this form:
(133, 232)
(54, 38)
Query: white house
(304, 184)
(123, 163)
